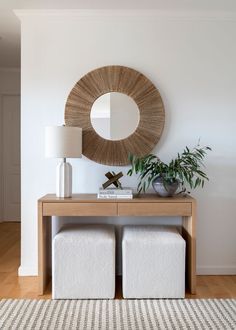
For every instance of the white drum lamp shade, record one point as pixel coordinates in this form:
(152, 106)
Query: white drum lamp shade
(63, 142)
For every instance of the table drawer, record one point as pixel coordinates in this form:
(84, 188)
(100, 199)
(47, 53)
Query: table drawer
(154, 209)
(80, 209)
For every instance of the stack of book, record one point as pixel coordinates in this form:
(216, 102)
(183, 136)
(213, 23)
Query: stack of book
(115, 193)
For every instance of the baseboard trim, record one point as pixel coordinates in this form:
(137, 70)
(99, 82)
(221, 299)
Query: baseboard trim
(201, 270)
(216, 270)
(27, 271)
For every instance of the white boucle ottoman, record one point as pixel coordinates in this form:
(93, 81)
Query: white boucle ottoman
(83, 262)
(153, 260)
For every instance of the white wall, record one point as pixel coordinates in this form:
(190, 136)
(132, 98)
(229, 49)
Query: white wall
(9, 85)
(192, 62)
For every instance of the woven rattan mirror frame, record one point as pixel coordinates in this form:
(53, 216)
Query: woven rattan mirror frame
(124, 80)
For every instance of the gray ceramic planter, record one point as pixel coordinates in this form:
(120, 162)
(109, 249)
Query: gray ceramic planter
(166, 190)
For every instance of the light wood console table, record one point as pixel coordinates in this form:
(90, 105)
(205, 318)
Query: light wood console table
(89, 205)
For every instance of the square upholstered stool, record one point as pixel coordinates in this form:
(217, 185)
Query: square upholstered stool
(153, 259)
(83, 262)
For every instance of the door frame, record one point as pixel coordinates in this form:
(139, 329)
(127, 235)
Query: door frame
(2, 167)
(1, 161)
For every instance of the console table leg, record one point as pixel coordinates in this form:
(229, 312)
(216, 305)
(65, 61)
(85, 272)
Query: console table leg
(189, 234)
(44, 241)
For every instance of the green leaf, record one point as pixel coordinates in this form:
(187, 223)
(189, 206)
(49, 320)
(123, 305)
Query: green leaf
(186, 167)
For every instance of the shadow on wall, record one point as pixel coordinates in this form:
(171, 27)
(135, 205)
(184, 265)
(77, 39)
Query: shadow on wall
(119, 222)
(216, 225)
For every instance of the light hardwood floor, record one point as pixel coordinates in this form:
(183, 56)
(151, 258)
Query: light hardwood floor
(12, 286)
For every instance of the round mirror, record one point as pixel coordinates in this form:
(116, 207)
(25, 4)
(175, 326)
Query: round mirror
(118, 141)
(114, 116)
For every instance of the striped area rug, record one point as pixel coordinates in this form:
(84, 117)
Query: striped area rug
(118, 314)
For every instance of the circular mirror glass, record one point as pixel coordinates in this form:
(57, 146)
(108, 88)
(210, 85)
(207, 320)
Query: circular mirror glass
(114, 116)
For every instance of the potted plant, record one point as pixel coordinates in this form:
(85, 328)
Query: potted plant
(185, 169)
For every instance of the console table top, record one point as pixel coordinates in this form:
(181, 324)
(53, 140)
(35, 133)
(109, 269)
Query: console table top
(142, 198)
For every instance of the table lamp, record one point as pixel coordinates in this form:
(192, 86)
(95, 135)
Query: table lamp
(63, 142)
